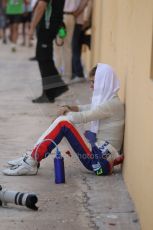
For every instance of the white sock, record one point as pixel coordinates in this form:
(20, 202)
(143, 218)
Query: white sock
(31, 161)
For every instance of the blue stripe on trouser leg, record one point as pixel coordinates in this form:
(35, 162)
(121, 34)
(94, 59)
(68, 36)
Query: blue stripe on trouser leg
(65, 131)
(75, 144)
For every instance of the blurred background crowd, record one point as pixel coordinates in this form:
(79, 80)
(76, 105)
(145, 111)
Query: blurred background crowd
(19, 17)
(16, 19)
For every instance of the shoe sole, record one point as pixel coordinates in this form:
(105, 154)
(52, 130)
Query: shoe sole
(20, 174)
(77, 82)
(10, 164)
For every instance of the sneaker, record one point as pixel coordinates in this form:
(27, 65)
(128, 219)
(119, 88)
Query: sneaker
(60, 90)
(77, 80)
(33, 59)
(43, 99)
(13, 48)
(23, 169)
(18, 160)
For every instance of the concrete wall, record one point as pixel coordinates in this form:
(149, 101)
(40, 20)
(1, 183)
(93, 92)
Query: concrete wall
(123, 37)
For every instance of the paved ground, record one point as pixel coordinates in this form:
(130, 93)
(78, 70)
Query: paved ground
(85, 202)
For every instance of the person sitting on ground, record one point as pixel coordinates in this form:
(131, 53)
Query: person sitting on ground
(98, 148)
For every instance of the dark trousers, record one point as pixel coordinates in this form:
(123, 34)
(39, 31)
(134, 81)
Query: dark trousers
(77, 68)
(51, 80)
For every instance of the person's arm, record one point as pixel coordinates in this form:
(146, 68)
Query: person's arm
(38, 13)
(87, 15)
(4, 3)
(99, 113)
(75, 108)
(84, 107)
(88, 10)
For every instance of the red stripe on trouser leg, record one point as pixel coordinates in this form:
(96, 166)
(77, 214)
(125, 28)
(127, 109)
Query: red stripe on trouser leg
(43, 148)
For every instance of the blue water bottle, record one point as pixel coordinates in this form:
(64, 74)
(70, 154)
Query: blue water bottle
(59, 168)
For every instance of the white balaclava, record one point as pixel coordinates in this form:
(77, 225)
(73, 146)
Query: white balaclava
(106, 86)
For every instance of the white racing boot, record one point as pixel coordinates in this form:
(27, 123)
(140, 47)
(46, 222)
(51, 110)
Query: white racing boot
(27, 166)
(18, 160)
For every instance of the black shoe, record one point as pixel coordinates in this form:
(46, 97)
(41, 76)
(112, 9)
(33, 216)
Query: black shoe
(33, 59)
(4, 41)
(43, 99)
(60, 90)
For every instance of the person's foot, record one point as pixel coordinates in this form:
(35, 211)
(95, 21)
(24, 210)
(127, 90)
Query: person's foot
(43, 99)
(77, 80)
(13, 49)
(23, 43)
(112, 157)
(115, 162)
(4, 41)
(26, 167)
(19, 160)
(33, 59)
(60, 90)
(31, 45)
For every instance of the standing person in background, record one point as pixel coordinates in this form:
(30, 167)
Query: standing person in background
(47, 18)
(33, 5)
(63, 54)
(77, 68)
(86, 37)
(26, 20)
(14, 10)
(2, 21)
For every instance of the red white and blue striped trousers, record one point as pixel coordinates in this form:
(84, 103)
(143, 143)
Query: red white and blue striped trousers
(60, 128)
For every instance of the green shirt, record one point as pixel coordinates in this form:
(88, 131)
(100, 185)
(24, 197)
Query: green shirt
(14, 7)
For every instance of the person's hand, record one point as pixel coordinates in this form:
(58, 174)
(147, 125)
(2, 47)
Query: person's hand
(63, 110)
(31, 32)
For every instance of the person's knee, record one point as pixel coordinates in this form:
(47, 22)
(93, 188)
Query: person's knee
(62, 119)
